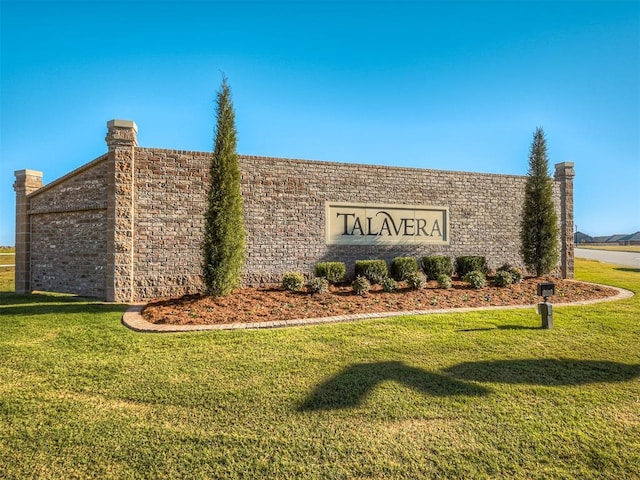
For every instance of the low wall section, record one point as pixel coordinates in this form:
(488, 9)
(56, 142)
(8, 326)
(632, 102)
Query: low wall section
(68, 231)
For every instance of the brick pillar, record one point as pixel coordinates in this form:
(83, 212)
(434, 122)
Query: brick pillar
(27, 181)
(564, 175)
(121, 142)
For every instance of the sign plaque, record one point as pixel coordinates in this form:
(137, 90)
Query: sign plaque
(379, 224)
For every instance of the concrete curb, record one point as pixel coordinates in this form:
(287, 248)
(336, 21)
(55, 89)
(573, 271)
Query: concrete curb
(132, 318)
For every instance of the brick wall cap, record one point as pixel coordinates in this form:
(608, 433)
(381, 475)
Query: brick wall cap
(69, 175)
(564, 170)
(122, 124)
(28, 173)
(565, 165)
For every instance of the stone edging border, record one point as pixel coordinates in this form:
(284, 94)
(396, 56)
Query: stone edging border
(132, 318)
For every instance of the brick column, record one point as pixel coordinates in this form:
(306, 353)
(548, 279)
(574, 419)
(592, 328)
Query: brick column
(27, 181)
(121, 142)
(564, 175)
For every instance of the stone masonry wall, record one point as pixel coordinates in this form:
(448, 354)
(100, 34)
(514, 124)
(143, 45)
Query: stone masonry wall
(171, 194)
(285, 200)
(128, 226)
(285, 210)
(284, 203)
(26, 182)
(68, 233)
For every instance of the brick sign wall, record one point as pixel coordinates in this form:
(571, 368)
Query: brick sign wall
(288, 200)
(129, 225)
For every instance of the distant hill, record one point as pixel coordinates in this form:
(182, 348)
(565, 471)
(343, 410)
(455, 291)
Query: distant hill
(631, 239)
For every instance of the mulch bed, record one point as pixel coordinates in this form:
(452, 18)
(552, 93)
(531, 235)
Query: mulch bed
(276, 304)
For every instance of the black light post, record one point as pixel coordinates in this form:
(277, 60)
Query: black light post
(545, 309)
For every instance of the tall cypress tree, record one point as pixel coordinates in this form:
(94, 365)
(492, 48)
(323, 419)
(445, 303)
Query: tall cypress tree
(540, 232)
(224, 241)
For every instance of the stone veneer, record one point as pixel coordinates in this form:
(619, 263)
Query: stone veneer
(27, 181)
(128, 226)
(68, 233)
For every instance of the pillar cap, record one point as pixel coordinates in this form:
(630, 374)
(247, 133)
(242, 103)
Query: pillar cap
(24, 173)
(565, 170)
(122, 124)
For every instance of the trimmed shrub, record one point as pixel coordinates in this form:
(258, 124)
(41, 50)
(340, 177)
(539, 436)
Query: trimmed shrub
(476, 279)
(361, 285)
(416, 280)
(516, 273)
(503, 278)
(293, 281)
(471, 263)
(318, 285)
(505, 266)
(436, 265)
(389, 285)
(401, 267)
(373, 270)
(444, 281)
(334, 272)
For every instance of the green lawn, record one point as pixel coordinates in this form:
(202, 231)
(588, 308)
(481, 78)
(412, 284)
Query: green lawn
(7, 256)
(6, 279)
(479, 395)
(7, 273)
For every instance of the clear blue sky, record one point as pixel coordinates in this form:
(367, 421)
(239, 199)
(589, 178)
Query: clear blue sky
(443, 85)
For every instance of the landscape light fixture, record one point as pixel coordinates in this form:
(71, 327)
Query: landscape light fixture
(545, 309)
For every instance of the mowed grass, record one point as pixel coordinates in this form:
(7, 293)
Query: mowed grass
(7, 256)
(7, 273)
(7, 279)
(476, 395)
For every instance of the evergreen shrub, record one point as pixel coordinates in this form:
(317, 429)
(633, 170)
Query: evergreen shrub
(444, 281)
(389, 285)
(504, 267)
(223, 246)
(476, 279)
(436, 265)
(539, 232)
(318, 285)
(293, 281)
(361, 285)
(416, 280)
(373, 270)
(471, 263)
(334, 272)
(516, 273)
(503, 278)
(403, 266)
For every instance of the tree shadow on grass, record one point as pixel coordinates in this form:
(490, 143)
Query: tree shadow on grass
(518, 327)
(498, 327)
(548, 372)
(351, 386)
(14, 305)
(12, 298)
(479, 329)
(625, 269)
